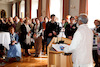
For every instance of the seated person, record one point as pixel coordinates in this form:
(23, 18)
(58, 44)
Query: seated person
(15, 49)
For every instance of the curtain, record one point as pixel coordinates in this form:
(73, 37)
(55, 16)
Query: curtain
(28, 8)
(39, 11)
(11, 10)
(65, 8)
(83, 6)
(48, 8)
(19, 8)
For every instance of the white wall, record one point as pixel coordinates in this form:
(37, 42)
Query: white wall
(7, 8)
(74, 7)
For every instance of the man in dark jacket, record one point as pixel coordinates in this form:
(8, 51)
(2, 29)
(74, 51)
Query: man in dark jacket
(52, 30)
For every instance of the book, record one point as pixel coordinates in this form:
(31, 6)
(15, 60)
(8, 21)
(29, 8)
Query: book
(58, 47)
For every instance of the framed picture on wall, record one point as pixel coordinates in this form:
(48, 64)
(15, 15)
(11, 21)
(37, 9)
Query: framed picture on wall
(3, 14)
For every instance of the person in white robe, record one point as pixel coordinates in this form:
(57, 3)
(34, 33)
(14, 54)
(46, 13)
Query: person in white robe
(81, 45)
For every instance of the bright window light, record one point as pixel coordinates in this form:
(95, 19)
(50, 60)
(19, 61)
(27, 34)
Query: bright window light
(22, 13)
(56, 7)
(93, 11)
(34, 8)
(14, 10)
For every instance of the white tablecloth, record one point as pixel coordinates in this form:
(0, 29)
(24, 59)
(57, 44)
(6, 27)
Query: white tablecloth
(5, 39)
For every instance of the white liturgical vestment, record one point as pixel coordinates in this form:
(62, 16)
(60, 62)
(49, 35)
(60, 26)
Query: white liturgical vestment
(81, 47)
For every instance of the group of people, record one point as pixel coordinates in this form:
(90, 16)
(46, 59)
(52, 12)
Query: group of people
(37, 31)
(40, 31)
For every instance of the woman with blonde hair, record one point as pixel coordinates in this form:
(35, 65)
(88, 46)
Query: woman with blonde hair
(26, 37)
(10, 22)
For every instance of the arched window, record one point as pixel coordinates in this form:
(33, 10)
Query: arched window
(34, 8)
(56, 7)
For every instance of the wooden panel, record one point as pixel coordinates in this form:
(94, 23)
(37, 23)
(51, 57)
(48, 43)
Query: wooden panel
(67, 41)
(56, 59)
(69, 61)
(52, 59)
(63, 61)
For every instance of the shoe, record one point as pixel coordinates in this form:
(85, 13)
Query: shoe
(36, 56)
(29, 54)
(23, 54)
(7, 59)
(17, 59)
(45, 54)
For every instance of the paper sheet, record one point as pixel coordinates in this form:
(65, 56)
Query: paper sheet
(57, 46)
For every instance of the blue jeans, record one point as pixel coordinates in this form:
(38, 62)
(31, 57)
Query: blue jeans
(48, 41)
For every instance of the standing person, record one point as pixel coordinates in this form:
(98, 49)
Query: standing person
(6, 20)
(18, 27)
(41, 19)
(10, 23)
(26, 37)
(16, 22)
(33, 22)
(62, 23)
(66, 21)
(52, 30)
(46, 19)
(2, 25)
(81, 45)
(96, 31)
(38, 40)
(70, 28)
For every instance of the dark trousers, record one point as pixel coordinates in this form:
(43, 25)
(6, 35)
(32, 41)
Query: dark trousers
(43, 43)
(1, 50)
(95, 57)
